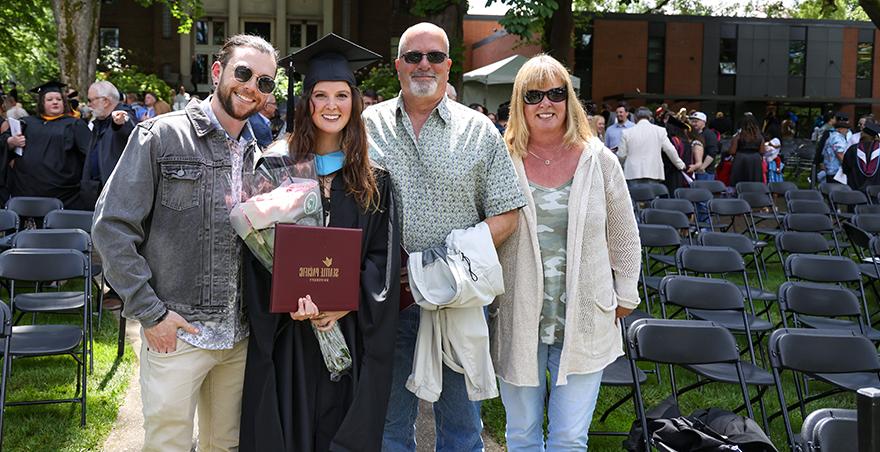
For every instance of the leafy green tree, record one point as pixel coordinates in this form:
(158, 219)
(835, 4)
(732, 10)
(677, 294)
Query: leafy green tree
(382, 79)
(28, 52)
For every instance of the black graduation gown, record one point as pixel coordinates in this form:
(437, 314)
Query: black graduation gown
(288, 401)
(53, 158)
(672, 175)
(857, 178)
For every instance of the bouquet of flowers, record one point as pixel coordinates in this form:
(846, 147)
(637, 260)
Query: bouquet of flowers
(285, 194)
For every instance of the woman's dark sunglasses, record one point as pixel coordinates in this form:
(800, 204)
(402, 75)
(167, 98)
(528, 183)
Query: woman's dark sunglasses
(244, 74)
(416, 57)
(534, 96)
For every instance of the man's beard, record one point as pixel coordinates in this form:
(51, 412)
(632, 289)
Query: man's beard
(224, 94)
(422, 89)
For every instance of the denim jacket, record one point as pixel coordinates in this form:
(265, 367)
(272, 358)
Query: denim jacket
(161, 223)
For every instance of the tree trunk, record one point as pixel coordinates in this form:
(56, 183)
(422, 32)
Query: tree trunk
(77, 30)
(451, 19)
(558, 32)
(872, 8)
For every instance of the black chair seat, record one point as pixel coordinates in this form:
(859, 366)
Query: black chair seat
(732, 320)
(653, 282)
(852, 381)
(41, 340)
(758, 294)
(666, 259)
(838, 324)
(618, 373)
(49, 301)
(867, 269)
(726, 372)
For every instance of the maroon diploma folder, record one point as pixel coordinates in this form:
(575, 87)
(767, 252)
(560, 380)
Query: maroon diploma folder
(322, 262)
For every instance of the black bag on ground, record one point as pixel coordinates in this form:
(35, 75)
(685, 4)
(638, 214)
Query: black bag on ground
(708, 430)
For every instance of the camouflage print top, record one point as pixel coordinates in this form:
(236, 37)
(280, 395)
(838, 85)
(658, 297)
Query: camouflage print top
(551, 208)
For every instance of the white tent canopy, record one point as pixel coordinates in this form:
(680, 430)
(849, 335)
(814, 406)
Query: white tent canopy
(491, 85)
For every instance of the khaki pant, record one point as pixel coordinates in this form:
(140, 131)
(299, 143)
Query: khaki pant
(174, 384)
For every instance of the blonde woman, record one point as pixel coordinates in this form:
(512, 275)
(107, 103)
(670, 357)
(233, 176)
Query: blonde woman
(570, 269)
(598, 123)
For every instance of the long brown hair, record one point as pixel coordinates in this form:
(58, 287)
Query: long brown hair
(357, 172)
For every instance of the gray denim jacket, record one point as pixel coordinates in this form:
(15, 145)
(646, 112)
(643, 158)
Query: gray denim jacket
(161, 223)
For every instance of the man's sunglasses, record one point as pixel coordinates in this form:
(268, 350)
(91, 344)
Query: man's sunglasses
(416, 57)
(535, 96)
(244, 74)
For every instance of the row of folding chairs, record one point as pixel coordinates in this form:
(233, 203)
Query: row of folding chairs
(40, 257)
(842, 361)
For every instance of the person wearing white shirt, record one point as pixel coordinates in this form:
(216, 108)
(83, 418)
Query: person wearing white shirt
(640, 148)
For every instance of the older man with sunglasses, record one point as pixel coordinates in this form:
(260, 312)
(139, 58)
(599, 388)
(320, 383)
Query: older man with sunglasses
(162, 228)
(450, 170)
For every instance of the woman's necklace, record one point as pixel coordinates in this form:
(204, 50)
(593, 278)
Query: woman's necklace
(547, 161)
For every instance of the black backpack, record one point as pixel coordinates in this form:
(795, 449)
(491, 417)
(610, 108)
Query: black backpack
(820, 146)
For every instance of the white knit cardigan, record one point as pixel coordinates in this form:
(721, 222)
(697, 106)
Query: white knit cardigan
(603, 257)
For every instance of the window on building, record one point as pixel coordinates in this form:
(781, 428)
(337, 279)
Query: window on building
(797, 57)
(302, 34)
(166, 22)
(727, 57)
(201, 32)
(656, 57)
(261, 29)
(865, 60)
(108, 37)
(219, 36)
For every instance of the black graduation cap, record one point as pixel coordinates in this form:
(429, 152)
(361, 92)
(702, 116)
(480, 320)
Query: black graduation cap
(872, 128)
(331, 58)
(48, 87)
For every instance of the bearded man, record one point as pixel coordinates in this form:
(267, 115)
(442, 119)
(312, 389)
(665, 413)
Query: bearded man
(162, 229)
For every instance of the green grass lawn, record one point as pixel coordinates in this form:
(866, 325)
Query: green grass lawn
(56, 427)
(712, 395)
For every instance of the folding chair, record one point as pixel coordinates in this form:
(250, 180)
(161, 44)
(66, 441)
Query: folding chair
(715, 186)
(720, 302)
(860, 238)
(55, 301)
(35, 207)
(872, 191)
(745, 247)
(868, 208)
(763, 209)
(672, 342)
(822, 306)
(697, 196)
(805, 195)
(42, 265)
(732, 208)
(813, 222)
(780, 188)
(721, 261)
(659, 243)
(9, 225)
(751, 187)
(80, 219)
(808, 206)
(848, 199)
(797, 242)
(870, 222)
(830, 430)
(641, 195)
(5, 333)
(826, 188)
(838, 270)
(844, 360)
(673, 218)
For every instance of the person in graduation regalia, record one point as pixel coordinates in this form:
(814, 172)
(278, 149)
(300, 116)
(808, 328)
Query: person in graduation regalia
(54, 147)
(289, 402)
(861, 161)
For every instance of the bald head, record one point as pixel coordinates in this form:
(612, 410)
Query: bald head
(426, 28)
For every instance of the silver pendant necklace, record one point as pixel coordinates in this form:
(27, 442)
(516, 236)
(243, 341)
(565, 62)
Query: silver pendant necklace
(546, 161)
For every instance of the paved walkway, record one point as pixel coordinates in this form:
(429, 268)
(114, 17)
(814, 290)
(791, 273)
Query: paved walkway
(128, 432)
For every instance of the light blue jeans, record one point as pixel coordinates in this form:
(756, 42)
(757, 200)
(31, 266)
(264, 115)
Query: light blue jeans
(457, 420)
(569, 409)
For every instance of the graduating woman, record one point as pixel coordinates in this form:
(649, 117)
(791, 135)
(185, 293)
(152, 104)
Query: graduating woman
(289, 401)
(54, 147)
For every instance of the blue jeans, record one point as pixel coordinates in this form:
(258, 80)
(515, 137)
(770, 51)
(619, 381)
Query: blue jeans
(702, 207)
(569, 409)
(457, 419)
